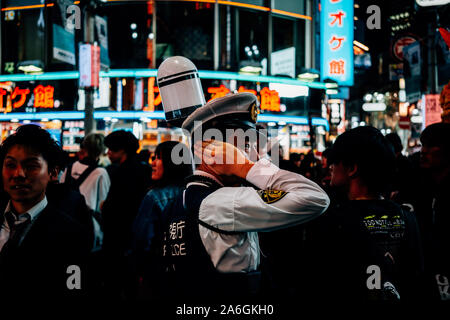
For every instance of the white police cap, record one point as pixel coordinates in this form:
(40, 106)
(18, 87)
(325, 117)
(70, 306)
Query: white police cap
(234, 109)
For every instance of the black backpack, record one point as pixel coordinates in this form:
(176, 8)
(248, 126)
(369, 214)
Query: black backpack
(76, 183)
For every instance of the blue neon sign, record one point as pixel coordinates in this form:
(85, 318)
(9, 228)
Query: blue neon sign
(336, 44)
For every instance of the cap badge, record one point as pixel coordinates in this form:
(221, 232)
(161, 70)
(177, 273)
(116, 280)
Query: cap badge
(254, 111)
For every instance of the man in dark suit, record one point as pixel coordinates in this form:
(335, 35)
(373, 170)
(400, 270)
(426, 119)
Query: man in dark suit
(43, 250)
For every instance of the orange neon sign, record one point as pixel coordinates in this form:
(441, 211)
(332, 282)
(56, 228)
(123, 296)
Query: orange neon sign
(43, 97)
(152, 101)
(218, 92)
(22, 93)
(269, 99)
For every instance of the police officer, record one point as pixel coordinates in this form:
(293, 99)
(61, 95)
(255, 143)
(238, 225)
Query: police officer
(210, 243)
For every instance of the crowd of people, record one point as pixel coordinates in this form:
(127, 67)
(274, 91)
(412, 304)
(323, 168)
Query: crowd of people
(363, 222)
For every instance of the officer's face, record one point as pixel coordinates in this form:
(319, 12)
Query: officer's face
(251, 150)
(25, 175)
(249, 146)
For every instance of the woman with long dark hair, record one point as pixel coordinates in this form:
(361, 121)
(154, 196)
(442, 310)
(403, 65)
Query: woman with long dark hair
(168, 182)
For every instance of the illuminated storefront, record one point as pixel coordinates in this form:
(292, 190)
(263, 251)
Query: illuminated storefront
(140, 109)
(242, 46)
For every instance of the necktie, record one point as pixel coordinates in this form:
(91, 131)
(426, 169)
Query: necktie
(17, 226)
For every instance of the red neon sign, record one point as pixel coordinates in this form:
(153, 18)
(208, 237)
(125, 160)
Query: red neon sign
(22, 93)
(269, 99)
(43, 97)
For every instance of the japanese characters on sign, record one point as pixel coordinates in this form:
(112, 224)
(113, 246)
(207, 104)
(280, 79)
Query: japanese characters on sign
(174, 240)
(12, 98)
(336, 29)
(89, 64)
(431, 109)
(269, 99)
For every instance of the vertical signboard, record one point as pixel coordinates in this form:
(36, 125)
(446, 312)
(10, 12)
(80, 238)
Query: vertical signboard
(64, 32)
(431, 109)
(119, 100)
(101, 27)
(336, 29)
(89, 65)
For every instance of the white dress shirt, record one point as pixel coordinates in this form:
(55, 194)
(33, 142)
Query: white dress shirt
(242, 209)
(31, 214)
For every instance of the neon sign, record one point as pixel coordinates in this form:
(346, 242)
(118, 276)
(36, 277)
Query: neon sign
(336, 21)
(269, 99)
(17, 97)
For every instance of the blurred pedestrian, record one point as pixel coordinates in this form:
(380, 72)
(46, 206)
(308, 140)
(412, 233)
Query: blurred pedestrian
(294, 157)
(325, 172)
(431, 201)
(90, 179)
(403, 174)
(285, 164)
(144, 156)
(129, 183)
(67, 199)
(367, 234)
(168, 183)
(86, 174)
(310, 167)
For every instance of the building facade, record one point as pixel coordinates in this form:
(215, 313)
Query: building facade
(264, 47)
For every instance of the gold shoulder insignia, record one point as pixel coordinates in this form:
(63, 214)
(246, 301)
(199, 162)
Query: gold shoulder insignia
(271, 196)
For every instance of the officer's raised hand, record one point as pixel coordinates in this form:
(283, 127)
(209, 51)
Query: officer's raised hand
(223, 158)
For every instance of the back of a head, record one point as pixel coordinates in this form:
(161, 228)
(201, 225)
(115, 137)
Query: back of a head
(38, 140)
(94, 144)
(122, 140)
(394, 139)
(144, 155)
(171, 152)
(294, 156)
(326, 153)
(437, 135)
(367, 148)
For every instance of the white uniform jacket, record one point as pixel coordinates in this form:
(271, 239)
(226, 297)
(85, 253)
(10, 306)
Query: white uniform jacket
(290, 199)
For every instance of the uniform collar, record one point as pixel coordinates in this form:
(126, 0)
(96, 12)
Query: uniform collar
(207, 175)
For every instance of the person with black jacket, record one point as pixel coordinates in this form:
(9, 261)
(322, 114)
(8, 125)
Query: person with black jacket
(130, 182)
(168, 183)
(430, 198)
(91, 180)
(367, 247)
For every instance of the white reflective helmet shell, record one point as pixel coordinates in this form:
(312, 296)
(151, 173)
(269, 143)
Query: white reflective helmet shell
(180, 88)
